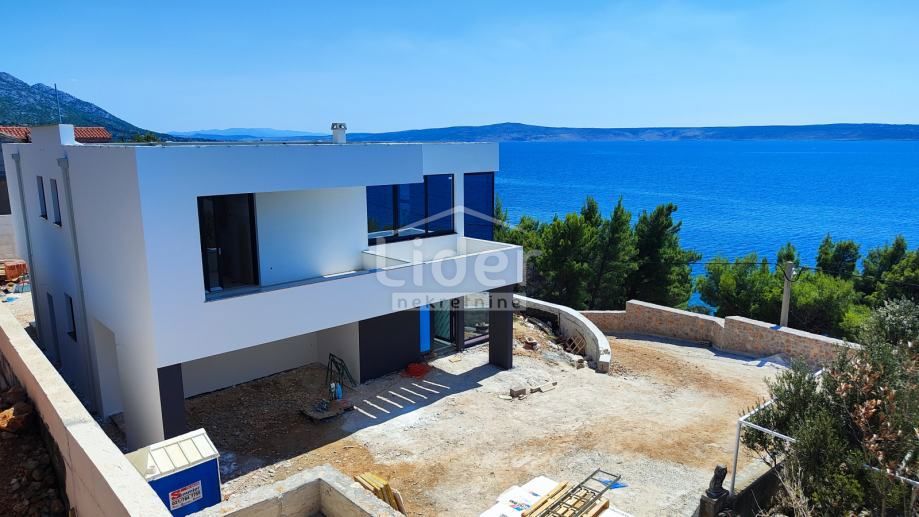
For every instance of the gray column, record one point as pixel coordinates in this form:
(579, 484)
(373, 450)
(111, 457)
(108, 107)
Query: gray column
(172, 400)
(501, 327)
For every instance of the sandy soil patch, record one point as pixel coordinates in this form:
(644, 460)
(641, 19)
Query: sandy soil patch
(451, 444)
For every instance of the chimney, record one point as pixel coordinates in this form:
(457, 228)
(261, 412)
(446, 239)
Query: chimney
(53, 134)
(338, 132)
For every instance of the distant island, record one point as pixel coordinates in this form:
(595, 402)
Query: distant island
(513, 132)
(22, 104)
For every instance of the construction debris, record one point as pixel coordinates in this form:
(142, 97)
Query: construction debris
(519, 391)
(16, 418)
(323, 409)
(576, 360)
(380, 488)
(549, 386)
(543, 497)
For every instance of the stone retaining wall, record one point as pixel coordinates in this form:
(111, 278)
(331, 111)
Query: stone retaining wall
(99, 480)
(571, 323)
(731, 334)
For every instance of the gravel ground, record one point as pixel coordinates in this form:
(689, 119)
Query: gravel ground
(452, 442)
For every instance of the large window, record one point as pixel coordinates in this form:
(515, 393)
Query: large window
(228, 243)
(397, 212)
(479, 195)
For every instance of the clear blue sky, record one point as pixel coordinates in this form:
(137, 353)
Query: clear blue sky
(169, 65)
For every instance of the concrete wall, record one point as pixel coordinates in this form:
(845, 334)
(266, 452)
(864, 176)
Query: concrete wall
(309, 233)
(731, 334)
(318, 491)
(573, 324)
(99, 479)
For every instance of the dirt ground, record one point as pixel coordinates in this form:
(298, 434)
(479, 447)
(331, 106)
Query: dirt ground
(452, 442)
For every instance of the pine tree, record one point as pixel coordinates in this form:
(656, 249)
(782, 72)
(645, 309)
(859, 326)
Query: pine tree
(613, 259)
(663, 275)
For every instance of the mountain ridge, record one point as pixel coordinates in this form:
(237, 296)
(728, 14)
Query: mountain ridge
(22, 104)
(517, 132)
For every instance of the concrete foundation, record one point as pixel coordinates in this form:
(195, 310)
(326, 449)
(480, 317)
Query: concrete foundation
(317, 491)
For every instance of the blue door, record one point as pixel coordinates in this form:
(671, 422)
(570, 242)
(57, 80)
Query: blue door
(424, 319)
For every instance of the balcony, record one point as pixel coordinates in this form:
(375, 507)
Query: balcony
(439, 268)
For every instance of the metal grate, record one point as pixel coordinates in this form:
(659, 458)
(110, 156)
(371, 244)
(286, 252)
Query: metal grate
(582, 497)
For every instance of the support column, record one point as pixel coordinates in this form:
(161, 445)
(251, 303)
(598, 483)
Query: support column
(172, 400)
(459, 322)
(501, 327)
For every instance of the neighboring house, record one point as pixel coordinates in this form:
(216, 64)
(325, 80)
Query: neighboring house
(13, 134)
(165, 271)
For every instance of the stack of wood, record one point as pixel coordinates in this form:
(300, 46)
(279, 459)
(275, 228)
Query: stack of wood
(380, 488)
(565, 492)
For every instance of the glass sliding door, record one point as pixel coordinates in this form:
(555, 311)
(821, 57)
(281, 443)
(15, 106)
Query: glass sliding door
(477, 309)
(410, 210)
(228, 243)
(442, 320)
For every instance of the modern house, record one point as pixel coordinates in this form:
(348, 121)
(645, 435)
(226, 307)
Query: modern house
(16, 134)
(162, 271)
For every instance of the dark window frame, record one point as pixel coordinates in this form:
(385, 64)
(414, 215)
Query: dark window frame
(55, 339)
(55, 202)
(256, 273)
(72, 323)
(42, 201)
(397, 224)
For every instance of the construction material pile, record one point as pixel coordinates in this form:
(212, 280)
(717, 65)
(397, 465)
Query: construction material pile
(380, 488)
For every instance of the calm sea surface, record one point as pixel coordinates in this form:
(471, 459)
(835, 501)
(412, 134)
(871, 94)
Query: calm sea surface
(733, 197)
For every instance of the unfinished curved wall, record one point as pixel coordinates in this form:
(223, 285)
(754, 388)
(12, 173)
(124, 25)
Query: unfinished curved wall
(572, 323)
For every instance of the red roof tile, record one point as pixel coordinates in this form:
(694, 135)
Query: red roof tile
(84, 135)
(17, 132)
(89, 135)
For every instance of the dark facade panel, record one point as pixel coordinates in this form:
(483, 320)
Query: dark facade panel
(172, 400)
(479, 194)
(501, 328)
(388, 343)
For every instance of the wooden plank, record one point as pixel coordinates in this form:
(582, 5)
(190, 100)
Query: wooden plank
(550, 495)
(385, 489)
(400, 503)
(366, 484)
(598, 508)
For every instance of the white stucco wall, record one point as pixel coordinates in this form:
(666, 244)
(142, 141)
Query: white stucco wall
(118, 286)
(219, 371)
(344, 342)
(309, 233)
(171, 179)
(52, 264)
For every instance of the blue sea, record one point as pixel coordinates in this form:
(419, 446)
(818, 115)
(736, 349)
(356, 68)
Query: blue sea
(734, 197)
